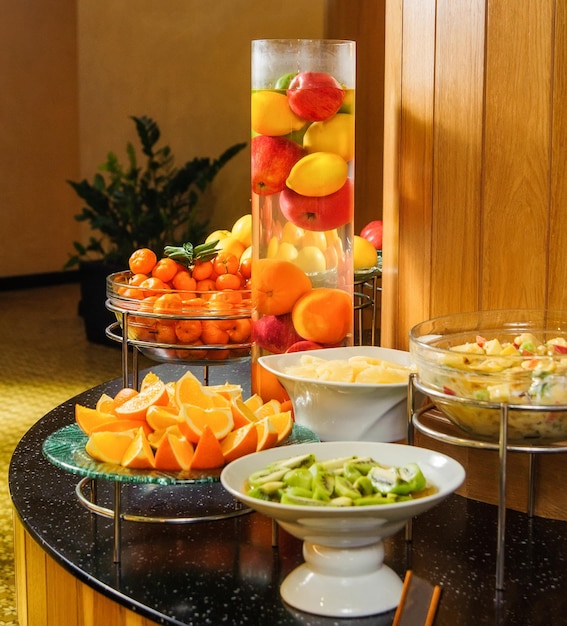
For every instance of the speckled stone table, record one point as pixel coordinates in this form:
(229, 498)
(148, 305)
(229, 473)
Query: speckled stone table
(227, 572)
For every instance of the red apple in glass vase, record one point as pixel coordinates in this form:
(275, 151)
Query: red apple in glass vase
(319, 212)
(373, 233)
(315, 96)
(271, 161)
(275, 333)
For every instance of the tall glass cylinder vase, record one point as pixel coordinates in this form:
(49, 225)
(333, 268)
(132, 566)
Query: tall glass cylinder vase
(302, 170)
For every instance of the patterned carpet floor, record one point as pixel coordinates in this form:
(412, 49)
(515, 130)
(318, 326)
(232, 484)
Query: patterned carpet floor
(46, 359)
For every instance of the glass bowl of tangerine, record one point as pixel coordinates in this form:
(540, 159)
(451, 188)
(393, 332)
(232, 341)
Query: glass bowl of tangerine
(192, 304)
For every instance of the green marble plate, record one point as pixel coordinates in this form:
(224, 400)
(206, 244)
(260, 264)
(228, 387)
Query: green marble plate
(65, 448)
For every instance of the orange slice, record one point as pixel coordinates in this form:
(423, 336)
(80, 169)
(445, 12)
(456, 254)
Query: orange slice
(229, 390)
(156, 436)
(149, 379)
(88, 419)
(119, 425)
(254, 402)
(161, 417)
(190, 390)
(208, 453)
(283, 423)
(193, 419)
(241, 414)
(239, 442)
(267, 434)
(271, 407)
(137, 406)
(139, 454)
(109, 447)
(105, 404)
(174, 453)
(123, 396)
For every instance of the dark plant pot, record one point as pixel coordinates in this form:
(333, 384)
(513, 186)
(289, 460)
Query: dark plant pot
(92, 308)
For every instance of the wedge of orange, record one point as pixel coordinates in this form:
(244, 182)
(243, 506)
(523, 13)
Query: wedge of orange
(230, 391)
(139, 454)
(271, 407)
(149, 379)
(174, 453)
(137, 406)
(88, 419)
(283, 423)
(160, 417)
(254, 402)
(193, 419)
(123, 396)
(241, 414)
(239, 442)
(119, 425)
(190, 390)
(267, 434)
(156, 436)
(105, 404)
(208, 452)
(109, 447)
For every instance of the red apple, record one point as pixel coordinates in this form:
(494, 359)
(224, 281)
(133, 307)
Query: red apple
(319, 213)
(373, 233)
(272, 160)
(274, 333)
(315, 96)
(302, 346)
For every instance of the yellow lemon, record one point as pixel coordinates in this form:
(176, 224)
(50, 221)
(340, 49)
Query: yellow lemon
(364, 253)
(217, 235)
(333, 135)
(272, 116)
(311, 260)
(242, 229)
(318, 174)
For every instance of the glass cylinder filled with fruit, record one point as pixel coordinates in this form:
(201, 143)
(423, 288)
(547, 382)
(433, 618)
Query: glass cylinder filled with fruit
(302, 171)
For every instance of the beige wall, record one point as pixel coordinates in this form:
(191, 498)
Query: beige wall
(78, 70)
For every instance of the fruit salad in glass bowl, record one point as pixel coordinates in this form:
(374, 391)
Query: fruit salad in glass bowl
(474, 363)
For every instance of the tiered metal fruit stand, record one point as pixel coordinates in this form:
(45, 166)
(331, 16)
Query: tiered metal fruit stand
(428, 420)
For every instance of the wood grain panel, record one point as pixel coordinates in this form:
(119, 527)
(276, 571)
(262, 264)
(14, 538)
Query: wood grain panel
(391, 206)
(416, 164)
(48, 595)
(366, 27)
(516, 160)
(557, 276)
(457, 156)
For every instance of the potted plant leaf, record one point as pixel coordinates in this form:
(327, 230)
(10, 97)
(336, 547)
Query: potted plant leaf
(149, 204)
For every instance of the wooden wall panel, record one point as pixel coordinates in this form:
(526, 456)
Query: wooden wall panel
(557, 277)
(416, 164)
(457, 138)
(515, 210)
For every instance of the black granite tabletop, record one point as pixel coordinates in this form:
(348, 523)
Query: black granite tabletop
(227, 572)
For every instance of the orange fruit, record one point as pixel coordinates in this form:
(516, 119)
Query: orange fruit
(229, 390)
(194, 419)
(174, 453)
(137, 406)
(161, 417)
(283, 423)
(254, 402)
(267, 385)
(271, 407)
(88, 419)
(149, 379)
(239, 442)
(267, 434)
(208, 453)
(139, 454)
(156, 436)
(122, 396)
(277, 285)
(241, 414)
(231, 245)
(110, 447)
(105, 404)
(324, 315)
(190, 390)
(119, 425)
